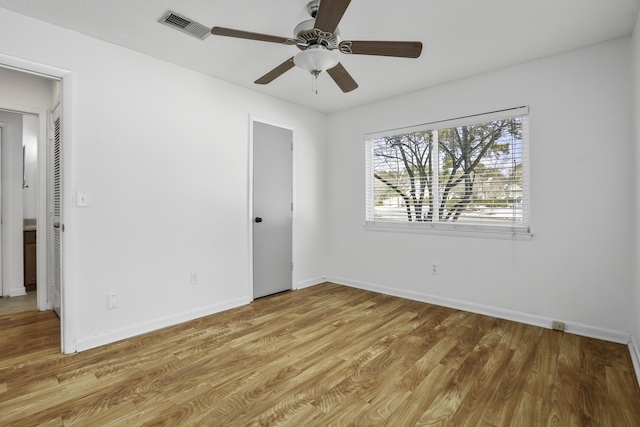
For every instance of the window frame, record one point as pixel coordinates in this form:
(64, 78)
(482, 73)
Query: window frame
(516, 231)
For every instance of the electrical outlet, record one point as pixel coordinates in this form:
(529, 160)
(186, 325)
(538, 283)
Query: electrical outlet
(195, 278)
(558, 326)
(112, 300)
(434, 268)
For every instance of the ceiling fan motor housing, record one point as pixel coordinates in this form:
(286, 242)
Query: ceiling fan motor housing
(307, 35)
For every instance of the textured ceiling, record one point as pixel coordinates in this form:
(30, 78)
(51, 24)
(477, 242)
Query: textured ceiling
(461, 38)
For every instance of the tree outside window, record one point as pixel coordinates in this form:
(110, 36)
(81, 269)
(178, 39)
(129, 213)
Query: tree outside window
(472, 173)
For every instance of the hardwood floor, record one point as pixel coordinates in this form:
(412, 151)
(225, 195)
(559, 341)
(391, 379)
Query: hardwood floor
(18, 304)
(327, 355)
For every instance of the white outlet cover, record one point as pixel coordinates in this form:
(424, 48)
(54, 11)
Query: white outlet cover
(112, 301)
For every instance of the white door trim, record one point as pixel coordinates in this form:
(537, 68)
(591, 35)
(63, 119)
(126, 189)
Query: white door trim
(253, 119)
(68, 319)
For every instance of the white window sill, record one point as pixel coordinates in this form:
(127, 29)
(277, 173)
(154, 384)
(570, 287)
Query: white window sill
(448, 229)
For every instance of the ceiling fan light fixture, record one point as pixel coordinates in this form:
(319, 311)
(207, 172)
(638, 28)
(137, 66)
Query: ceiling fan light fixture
(316, 59)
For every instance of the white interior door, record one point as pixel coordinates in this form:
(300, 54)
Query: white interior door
(272, 208)
(56, 226)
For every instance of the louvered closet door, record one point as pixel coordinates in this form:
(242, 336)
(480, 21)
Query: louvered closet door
(56, 215)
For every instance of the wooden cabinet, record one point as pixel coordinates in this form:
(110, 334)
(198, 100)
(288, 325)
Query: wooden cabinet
(30, 260)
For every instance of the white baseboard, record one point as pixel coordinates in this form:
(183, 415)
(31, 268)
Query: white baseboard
(17, 292)
(310, 282)
(635, 356)
(142, 328)
(516, 316)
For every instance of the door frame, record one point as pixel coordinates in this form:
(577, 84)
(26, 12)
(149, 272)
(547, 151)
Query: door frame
(255, 119)
(68, 303)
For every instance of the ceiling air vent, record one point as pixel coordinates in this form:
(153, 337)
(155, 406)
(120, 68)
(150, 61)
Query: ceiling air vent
(186, 25)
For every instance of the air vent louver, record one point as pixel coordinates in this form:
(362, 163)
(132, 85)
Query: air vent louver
(186, 25)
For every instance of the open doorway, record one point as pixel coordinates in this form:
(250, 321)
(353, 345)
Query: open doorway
(27, 103)
(19, 202)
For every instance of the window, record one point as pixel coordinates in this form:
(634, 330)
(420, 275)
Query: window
(468, 174)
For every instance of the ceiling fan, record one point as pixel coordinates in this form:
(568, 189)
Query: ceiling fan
(317, 38)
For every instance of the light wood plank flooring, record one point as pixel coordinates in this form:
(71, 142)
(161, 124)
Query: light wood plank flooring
(327, 355)
(18, 304)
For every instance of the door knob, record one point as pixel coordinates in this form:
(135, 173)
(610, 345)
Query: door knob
(258, 219)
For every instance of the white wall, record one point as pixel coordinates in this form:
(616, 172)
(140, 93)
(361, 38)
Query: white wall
(11, 191)
(26, 90)
(163, 152)
(635, 55)
(578, 266)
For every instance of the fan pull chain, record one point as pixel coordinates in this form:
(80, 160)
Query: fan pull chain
(314, 81)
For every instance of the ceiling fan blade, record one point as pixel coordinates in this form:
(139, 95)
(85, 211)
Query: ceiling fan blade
(230, 32)
(330, 13)
(276, 72)
(382, 48)
(342, 78)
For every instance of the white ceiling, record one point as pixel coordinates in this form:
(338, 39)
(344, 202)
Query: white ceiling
(461, 38)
